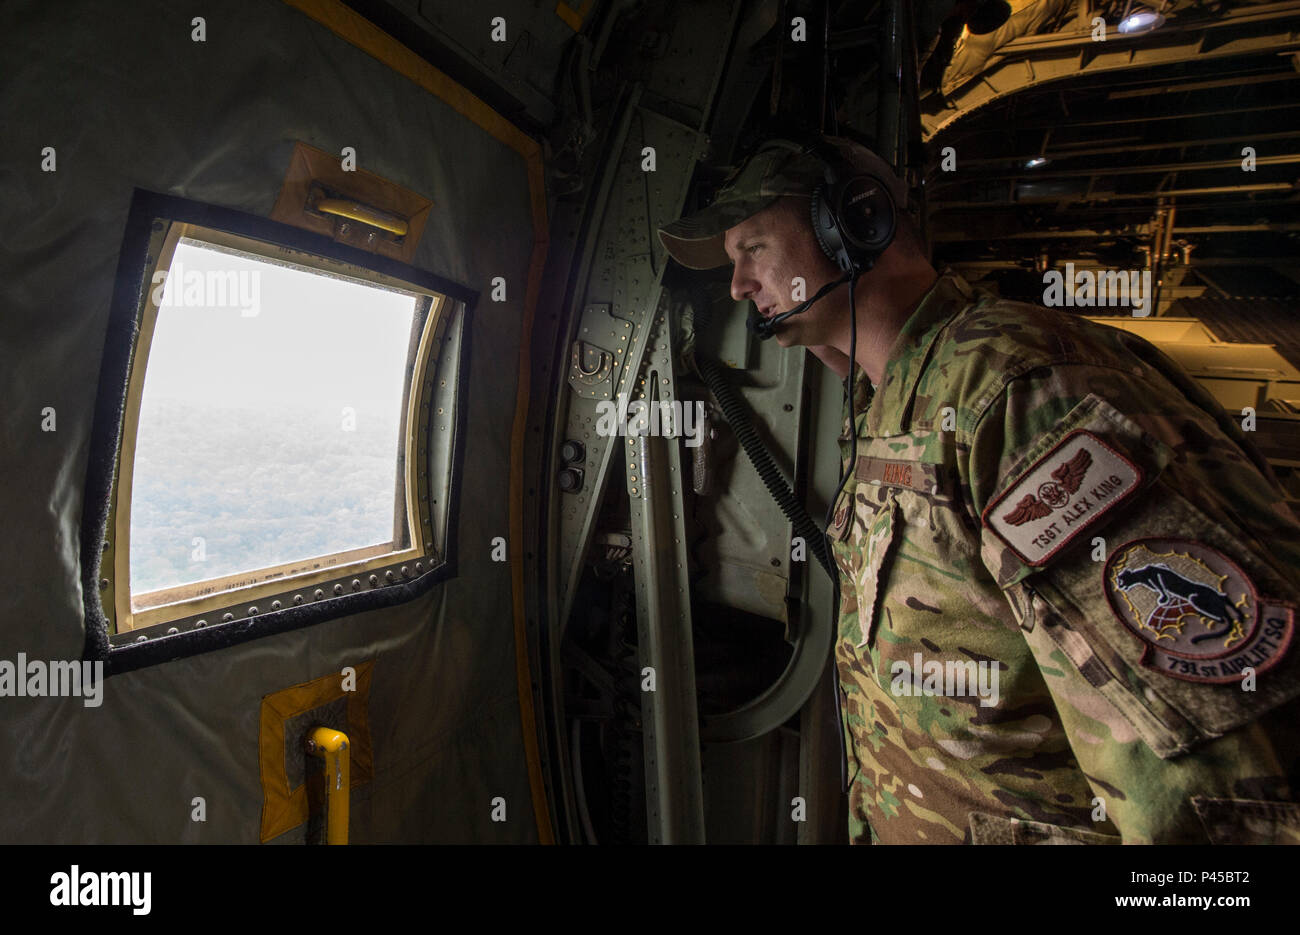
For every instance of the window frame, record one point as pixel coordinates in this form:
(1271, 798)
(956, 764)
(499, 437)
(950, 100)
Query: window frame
(211, 614)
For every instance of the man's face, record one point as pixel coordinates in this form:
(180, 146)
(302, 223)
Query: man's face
(769, 251)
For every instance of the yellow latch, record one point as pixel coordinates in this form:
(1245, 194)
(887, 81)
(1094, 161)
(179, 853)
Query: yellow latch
(356, 211)
(332, 746)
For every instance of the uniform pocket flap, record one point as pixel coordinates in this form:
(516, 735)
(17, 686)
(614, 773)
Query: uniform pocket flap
(881, 541)
(1248, 821)
(996, 829)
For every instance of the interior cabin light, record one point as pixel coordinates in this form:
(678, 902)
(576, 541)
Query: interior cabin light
(1140, 20)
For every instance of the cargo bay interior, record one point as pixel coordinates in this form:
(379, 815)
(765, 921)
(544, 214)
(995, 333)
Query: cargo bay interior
(485, 657)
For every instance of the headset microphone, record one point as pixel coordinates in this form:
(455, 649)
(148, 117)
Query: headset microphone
(766, 327)
(853, 219)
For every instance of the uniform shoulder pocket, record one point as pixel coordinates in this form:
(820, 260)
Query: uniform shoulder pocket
(1174, 617)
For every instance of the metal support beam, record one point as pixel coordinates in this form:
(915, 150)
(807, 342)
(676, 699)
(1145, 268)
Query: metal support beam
(1060, 150)
(889, 87)
(1254, 14)
(1105, 197)
(1108, 123)
(1277, 264)
(670, 720)
(1264, 29)
(1235, 228)
(612, 291)
(622, 287)
(1049, 173)
(1234, 81)
(1128, 230)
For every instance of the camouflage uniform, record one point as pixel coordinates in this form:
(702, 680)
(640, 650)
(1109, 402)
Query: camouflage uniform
(1057, 499)
(1054, 501)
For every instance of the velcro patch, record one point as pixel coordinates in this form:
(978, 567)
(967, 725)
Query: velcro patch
(891, 472)
(1060, 495)
(1197, 611)
(841, 523)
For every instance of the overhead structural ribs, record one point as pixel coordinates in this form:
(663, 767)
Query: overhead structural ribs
(1031, 61)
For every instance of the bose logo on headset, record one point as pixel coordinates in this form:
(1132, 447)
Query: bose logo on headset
(853, 213)
(856, 198)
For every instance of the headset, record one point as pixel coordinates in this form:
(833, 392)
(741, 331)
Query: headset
(853, 217)
(853, 213)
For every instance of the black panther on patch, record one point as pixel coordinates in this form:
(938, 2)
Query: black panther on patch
(1200, 616)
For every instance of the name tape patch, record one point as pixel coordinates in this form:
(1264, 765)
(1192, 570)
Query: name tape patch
(1060, 495)
(892, 472)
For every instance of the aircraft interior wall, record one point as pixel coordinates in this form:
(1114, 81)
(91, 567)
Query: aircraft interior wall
(127, 100)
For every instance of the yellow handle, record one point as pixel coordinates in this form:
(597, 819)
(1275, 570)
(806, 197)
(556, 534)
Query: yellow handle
(332, 746)
(356, 211)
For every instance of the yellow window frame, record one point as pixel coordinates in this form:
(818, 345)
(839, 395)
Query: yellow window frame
(306, 580)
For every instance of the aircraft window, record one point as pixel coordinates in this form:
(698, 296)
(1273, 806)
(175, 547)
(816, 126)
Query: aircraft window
(269, 420)
(275, 449)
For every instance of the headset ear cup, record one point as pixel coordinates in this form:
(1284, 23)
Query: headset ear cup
(887, 220)
(853, 212)
(823, 225)
(867, 216)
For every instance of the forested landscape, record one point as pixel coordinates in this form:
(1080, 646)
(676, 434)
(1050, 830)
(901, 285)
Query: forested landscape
(258, 487)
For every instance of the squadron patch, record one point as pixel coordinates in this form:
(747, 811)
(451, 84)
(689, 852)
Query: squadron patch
(1060, 495)
(1200, 616)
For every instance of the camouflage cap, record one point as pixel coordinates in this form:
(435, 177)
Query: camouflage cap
(696, 241)
(778, 168)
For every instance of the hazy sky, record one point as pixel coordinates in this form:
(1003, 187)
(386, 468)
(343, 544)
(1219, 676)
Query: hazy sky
(315, 342)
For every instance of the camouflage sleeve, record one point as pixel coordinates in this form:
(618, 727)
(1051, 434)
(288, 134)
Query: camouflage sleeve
(1154, 572)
